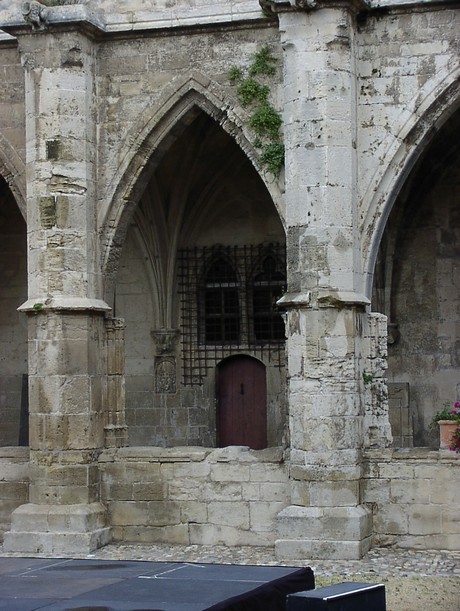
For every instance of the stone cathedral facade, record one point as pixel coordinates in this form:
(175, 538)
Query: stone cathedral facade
(229, 273)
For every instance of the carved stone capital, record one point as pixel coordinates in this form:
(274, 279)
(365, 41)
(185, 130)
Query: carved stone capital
(115, 324)
(165, 340)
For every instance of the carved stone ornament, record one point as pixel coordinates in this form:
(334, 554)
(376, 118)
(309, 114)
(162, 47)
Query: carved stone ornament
(36, 14)
(165, 375)
(165, 340)
(274, 5)
(393, 333)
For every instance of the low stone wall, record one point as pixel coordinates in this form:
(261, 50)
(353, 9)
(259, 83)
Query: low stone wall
(415, 496)
(14, 483)
(232, 495)
(193, 495)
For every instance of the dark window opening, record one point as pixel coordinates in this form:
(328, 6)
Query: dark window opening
(221, 304)
(267, 289)
(228, 300)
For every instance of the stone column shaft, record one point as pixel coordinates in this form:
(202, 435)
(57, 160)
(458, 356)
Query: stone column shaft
(325, 309)
(116, 431)
(66, 314)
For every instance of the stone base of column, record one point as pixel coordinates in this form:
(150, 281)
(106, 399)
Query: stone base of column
(342, 533)
(57, 529)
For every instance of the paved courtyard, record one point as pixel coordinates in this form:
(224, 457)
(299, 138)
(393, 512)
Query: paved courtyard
(381, 562)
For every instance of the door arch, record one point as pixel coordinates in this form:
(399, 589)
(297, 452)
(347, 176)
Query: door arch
(241, 402)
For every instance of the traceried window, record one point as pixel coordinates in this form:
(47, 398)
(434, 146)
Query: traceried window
(221, 303)
(268, 287)
(228, 298)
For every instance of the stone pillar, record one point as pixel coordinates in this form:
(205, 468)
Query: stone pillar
(116, 431)
(326, 310)
(66, 314)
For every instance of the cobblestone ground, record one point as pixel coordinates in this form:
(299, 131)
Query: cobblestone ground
(381, 562)
(414, 580)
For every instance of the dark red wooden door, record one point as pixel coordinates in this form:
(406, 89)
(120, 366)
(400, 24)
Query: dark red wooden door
(241, 403)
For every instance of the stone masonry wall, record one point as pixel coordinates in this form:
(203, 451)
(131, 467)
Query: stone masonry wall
(14, 483)
(232, 495)
(414, 497)
(227, 496)
(405, 61)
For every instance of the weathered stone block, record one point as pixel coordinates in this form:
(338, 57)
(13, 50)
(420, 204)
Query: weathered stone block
(211, 534)
(423, 519)
(334, 493)
(229, 514)
(412, 491)
(129, 513)
(176, 534)
(194, 511)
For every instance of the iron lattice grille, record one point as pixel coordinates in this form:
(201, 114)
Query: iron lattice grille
(227, 297)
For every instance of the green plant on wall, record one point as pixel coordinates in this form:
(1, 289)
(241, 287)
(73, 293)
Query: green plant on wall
(51, 3)
(264, 119)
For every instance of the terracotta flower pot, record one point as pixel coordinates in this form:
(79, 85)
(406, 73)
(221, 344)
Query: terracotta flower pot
(446, 430)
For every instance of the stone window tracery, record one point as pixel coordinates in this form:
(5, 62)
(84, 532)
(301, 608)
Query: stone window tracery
(228, 300)
(221, 320)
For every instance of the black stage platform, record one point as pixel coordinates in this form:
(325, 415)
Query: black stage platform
(27, 584)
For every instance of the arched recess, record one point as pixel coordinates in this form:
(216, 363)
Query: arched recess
(13, 325)
(13, 172)
(417, 275)
(150, 137)
(199, 195)
(414, 138)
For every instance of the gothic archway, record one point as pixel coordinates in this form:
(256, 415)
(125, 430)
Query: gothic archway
(13, 325)
(153, 134)
(417, 285)
(203, 194)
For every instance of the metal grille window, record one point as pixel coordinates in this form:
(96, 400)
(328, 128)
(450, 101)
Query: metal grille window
(228, 305)
(267, 289)
(221, 303)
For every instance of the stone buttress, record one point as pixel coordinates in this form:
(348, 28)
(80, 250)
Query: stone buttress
(65, 311)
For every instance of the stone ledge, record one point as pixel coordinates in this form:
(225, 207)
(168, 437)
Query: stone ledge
(192, 454)
(415, 454)
(16, 453)
(113, 20)
(71, 304)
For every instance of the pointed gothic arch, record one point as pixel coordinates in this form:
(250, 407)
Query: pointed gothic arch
(13, 325)
(13, 170)
(416, 280)
(152, 135)
(199, 191)
(440, 103)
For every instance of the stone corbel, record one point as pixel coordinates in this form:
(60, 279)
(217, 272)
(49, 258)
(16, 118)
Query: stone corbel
(165, 341)
(273, 6)
(276, 6)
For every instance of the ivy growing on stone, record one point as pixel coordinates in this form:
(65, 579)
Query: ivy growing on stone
(264, 120)
(51, 3)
